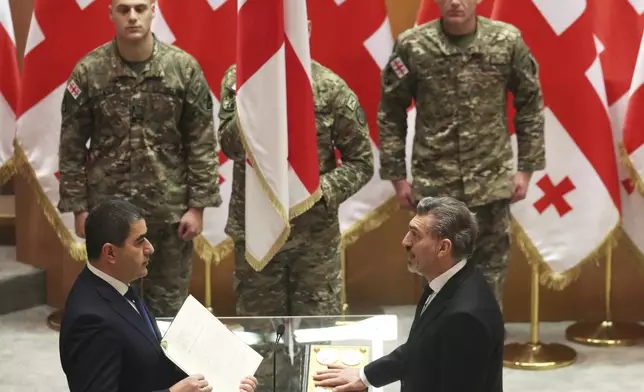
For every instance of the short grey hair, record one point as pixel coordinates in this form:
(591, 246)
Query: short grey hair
(453, 221)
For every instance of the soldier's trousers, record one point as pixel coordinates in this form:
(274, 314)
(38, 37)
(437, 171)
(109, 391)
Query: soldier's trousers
(492, 247)
(168, 281)
(303, 279)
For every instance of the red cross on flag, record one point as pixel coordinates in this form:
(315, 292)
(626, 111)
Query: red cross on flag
(357, 53)
(8, 90)
(572, 208)
(277, 121)
(186, 27)
(50, 56)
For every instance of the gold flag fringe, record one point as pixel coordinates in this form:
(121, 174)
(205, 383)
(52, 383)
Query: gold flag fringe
(560, 280)
(7, 170)
(283, 213)
(212, 254)
(628, 164)
(23, 167)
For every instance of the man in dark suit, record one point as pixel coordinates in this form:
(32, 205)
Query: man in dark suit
(456, 339)
(108, 341)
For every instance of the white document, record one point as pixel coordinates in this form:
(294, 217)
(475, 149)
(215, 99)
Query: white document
(198, 343)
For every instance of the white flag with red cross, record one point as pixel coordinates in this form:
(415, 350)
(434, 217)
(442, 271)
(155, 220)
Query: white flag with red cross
(52, 51)
(194, 29)
(572, 208)
(621, 59)
(8, 91)
(275, 113)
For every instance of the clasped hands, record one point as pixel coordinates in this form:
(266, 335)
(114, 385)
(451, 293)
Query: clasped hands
(340, 378)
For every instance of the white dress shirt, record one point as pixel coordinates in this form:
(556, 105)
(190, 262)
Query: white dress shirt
(436, 285)
(117, 284)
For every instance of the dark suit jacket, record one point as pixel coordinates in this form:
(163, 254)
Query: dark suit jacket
(456, 345)
(105, 345)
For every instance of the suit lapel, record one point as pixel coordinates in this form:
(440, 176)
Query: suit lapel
(441, 300)
(419, 307)
(125, 310)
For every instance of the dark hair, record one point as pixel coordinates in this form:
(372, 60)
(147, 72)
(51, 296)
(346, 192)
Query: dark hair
(109, 222)
(453, 221)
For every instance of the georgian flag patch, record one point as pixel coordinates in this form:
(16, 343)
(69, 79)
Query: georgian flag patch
(73, 89)
(399, 67)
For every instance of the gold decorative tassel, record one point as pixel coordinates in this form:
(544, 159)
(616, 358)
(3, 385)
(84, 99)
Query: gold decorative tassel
(23, 167)
(560, 280)
(7, 170)
(626, 162)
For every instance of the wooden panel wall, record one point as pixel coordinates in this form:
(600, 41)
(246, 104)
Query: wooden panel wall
(376, 272)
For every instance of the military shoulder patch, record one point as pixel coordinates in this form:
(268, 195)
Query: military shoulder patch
(399, 67)
(360, 116)
(352, 102)
(73, 89)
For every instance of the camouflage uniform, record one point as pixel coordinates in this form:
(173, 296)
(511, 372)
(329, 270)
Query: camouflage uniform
(462, 144)
(305, 276)
(152, 142)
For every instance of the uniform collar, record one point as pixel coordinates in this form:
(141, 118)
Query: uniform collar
(152, 68)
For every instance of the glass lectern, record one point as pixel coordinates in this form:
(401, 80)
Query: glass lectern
(307, 344)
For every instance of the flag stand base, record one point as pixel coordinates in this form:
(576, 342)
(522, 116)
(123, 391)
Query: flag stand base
(54, 319)
(539, 356)
(535, 355)
(605, 333)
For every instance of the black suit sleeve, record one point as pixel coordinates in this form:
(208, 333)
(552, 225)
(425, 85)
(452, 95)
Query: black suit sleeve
(94, 357)
(387, 369)
(465, 348)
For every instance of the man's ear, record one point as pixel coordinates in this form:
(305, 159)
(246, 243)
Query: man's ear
(445, 247)
(109, 253)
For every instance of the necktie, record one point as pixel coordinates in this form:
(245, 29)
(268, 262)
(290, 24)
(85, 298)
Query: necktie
(134, 297)
(427, 301)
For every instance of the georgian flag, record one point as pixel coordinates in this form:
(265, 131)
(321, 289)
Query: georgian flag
(572, 208)
(8, 91)
(276, 116)
(50, 56)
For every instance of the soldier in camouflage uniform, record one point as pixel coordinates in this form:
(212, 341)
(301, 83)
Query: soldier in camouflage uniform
(305, 276)
(458, 69)
(146, 110)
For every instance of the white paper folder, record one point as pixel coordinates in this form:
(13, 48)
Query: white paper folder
(198, 343)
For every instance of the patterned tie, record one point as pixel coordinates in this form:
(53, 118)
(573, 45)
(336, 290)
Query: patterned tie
(134, 297)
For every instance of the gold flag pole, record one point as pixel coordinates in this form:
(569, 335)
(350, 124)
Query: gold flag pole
(606, 333)
(208, 287)
(536, 355)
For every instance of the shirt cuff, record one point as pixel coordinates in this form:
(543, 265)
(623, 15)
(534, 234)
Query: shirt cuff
(363, 377)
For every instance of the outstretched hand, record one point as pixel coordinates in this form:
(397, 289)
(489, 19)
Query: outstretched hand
(342, 379)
